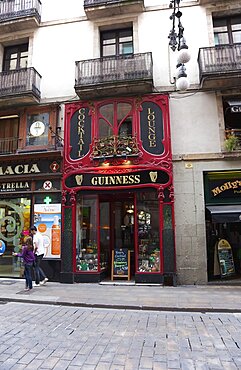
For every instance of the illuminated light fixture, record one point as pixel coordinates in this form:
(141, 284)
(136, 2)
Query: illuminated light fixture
(106, 164)
(183, 56)
(178, 42)
(10, 116)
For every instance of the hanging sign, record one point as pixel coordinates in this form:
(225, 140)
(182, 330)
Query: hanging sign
(80, 133)
(152, 128)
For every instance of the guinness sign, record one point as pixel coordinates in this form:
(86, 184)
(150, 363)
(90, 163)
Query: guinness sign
(117, 180)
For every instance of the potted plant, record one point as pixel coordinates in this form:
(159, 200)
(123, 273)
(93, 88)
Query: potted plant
(231, 142)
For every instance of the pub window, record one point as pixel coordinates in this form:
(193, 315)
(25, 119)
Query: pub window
(227, 30)
(115, 119)
(117, 42)
(15, 57)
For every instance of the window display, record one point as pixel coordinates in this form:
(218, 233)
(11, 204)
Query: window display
(86, 243)
(148, 232)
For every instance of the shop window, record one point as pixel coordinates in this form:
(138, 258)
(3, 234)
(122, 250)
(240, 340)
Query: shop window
(116, 42)
(227, 30)
(15, 57)
(86, 241)
(148, 232)
(37, 129)
(14, 226)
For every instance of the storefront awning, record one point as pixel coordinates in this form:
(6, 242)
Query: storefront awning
(225, 213)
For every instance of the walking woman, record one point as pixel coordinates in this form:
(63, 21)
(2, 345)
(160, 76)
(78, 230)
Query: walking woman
(28, 258)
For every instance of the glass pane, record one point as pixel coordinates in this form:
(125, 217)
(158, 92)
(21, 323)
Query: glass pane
(23, 62)
(109, 50)
(107, 111)
(126, 128)
(237, 37)
(86, 240)
(105, 129)
(236, 23)
(37, 129)
(13, 64)
(123, 109)
(14, 226)
(126, 48)
(148, 232)
(104, 234)
(221, 38)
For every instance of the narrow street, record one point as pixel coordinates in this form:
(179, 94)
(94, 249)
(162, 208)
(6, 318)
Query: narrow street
(41, 336)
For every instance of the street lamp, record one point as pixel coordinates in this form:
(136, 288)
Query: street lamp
(178, 42)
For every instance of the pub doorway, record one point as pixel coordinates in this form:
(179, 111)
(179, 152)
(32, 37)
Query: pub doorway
(117, 227)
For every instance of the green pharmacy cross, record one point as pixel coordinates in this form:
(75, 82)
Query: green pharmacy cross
(47, 200)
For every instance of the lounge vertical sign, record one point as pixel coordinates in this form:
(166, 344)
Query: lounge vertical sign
(152, 128)
(80, 133)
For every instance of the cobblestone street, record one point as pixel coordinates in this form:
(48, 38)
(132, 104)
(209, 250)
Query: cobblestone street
(39, 336)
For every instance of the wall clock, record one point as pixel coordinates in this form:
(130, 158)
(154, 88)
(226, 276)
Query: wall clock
(37, 128)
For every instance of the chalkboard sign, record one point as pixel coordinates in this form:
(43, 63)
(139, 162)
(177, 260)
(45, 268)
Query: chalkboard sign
(225, 257)
(120, 263)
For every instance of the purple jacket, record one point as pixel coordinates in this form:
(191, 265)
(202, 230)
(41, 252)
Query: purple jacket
(26, 255)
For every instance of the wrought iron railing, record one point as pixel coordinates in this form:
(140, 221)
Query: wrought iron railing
(115, 146)
(113, 69)
(92, 3)
(220, 59)
(15, 9)
(17, 82)
(8, 145)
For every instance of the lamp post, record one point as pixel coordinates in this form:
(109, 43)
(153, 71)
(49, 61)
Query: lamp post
(178, 42)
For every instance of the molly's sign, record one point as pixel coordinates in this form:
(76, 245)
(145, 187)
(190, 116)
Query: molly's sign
(227, 189)
(117, 180)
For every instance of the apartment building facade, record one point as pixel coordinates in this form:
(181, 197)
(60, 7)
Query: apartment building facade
(144, 178)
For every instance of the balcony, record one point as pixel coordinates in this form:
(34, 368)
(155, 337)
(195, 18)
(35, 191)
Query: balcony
(114, 76)
(220, 66)
(18, 15)
(19, 87)
(97, 9)
(115, 147)
(8, 145)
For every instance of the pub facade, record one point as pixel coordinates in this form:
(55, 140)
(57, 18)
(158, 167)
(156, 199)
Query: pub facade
(118, 190)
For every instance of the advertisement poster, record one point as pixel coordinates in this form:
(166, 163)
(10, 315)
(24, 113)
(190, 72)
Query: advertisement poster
(47, 219)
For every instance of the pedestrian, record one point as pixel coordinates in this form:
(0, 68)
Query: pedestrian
(28, 259)
(38, 244)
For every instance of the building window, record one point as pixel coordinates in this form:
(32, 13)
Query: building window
(15, 57)
(227, 30)
(8, 135)
(117, 42)
(37, 129)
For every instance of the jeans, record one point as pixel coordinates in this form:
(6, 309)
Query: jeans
(28, 275)
(39, 274)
